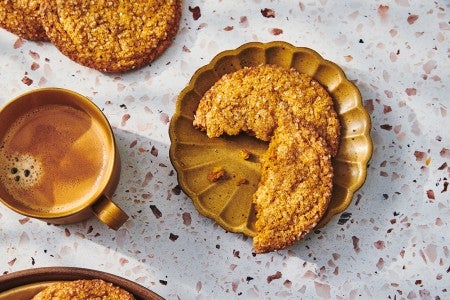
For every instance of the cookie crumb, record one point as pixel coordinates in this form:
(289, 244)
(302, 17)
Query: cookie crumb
(242, 181)
(216, 174)
(245, 154)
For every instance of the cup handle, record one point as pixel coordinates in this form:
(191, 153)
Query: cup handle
(109, 213)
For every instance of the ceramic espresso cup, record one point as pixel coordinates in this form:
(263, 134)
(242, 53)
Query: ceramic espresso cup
(58, 158)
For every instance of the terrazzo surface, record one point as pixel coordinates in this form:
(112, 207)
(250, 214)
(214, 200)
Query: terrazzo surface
(391, 243)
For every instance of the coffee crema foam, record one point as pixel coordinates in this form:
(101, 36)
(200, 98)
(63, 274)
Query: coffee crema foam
(53, 158)
(21, 168)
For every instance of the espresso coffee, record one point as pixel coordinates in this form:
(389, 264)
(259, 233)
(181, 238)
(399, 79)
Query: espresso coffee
(53, 158)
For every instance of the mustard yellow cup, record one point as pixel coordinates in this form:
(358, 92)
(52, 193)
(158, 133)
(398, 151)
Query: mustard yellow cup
(58, 158)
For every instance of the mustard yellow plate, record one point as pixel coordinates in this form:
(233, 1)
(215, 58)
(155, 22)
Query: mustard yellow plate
(229, 200)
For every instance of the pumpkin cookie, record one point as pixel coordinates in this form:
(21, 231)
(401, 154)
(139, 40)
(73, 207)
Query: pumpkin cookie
(83, 289)
(296, 115)
(22, 18)
(251, 100)
(111, 36)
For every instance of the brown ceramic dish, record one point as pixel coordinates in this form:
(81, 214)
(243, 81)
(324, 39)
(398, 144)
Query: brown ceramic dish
(25, 284)
(194, 155)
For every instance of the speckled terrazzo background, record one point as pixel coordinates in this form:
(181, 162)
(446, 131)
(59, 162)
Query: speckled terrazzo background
(392, 242)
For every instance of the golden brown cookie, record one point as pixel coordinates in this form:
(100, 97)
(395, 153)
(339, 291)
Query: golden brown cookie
(83, 290)
(296, 115)
(111, 36)
(295, 187)
(251, 100)
(22, 18)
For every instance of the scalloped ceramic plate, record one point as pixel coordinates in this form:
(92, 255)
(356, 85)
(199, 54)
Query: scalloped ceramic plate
(23, 285)
(194, 155)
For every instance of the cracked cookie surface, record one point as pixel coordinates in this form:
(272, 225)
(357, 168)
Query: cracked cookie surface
(251, 99)
(296, 115)
(23, 19)
(111, 36)
(83, 290)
